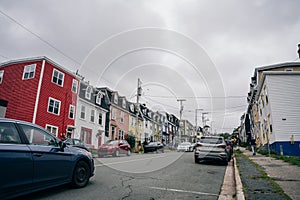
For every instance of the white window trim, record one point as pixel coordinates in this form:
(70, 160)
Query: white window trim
(88, 94)
(63, 78)
(93, 113)
(74, 82)
(49, 125)
(99, 97)
(124, 103)
(1, 75)
(122, 117)
(72, 106)
(81, 112)
(100, 113)
(32, 65)
(116, 98)
(113, 113)
(50, 98)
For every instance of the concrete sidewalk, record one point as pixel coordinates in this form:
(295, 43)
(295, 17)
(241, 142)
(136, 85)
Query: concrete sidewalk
(287, 176)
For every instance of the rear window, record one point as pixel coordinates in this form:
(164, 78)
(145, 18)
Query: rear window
(9, 133)
(210, 140)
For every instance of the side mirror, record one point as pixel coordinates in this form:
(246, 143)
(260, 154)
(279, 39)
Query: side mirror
(62, 145)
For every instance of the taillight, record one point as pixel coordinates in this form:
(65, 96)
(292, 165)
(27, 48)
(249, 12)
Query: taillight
(199, 145)
(222, 146)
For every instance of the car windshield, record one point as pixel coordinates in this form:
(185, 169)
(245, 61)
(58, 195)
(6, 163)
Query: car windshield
(210, 140)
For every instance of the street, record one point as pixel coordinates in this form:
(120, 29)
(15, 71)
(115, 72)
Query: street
(169, 175)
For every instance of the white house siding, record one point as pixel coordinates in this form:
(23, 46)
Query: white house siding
(284, 97)
(86, 123)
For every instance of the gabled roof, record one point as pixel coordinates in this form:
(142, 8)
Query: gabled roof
(34, 59)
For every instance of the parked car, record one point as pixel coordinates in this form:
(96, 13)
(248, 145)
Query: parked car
(78, 143)
(185, 146)
(33, 159)
(211, 148)
(115, 148)
(154, 147)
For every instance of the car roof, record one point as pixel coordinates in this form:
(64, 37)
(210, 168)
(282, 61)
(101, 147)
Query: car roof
(19, 122)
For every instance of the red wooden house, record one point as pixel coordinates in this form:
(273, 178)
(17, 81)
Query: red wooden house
(40, 91)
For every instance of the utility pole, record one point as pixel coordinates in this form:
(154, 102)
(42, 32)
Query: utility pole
(196, 118)
(138, 94)
(180, 116)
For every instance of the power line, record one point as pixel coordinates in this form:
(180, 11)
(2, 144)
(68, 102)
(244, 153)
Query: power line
(195, 97)
(39, 37)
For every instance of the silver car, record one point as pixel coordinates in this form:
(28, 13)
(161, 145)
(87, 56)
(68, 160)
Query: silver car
(211, 148)
(185, 146)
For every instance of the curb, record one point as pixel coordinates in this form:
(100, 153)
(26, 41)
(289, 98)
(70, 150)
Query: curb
(238, 183)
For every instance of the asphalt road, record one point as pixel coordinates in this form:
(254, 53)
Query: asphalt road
(169, 175)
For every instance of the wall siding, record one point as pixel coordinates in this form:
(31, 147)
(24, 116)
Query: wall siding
(284, 97)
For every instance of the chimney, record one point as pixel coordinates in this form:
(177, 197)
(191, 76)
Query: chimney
(299, 50)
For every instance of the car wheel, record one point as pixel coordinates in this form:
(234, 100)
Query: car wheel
(81, 175)
(117, 153)
(128, 152)
(196, 159)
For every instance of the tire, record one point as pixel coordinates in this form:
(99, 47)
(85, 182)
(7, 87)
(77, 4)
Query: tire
(117, 153)
(81, 175)
(197, 160)
(128, 152)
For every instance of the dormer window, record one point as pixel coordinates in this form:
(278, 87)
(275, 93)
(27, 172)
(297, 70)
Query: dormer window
(124, 103)
(88, 92)
(116, 98)
(99, 97)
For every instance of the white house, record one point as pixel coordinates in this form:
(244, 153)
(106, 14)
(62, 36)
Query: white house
(278, 99)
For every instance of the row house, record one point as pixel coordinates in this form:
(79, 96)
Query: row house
(170, 129)
(273, 98)
(91, 115)
(187, 131)
(40, 91)
(136, 122)
(118, 126)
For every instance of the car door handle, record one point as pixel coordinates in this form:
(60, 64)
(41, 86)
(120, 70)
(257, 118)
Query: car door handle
(37, 154)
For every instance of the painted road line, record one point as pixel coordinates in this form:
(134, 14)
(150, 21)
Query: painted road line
(183, 191)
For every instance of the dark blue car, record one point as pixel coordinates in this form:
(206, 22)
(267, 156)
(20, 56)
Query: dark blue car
(32, 159)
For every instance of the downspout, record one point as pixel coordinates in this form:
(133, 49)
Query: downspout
(38, 93)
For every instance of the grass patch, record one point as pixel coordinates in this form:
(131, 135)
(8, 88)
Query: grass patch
(294, 160)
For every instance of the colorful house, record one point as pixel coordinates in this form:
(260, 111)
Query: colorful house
(40, 91)
(91, 115)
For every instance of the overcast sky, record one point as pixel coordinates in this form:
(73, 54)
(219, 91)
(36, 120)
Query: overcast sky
(204, 52)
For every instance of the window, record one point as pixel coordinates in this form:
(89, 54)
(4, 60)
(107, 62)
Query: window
(88, 92)
(121, 135)
(1, 75)
(29, 71)
(113, 113)
(82, 112)
(100, 119)
(58, 77)
(99, 97)
(92, 116)
(124, 103)
(38, 136)
(52, 129)
(74, 85)
(53, 106)
(113, 129)
(122, 117)
(9, 134)
(116, 98)
(72, 112)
